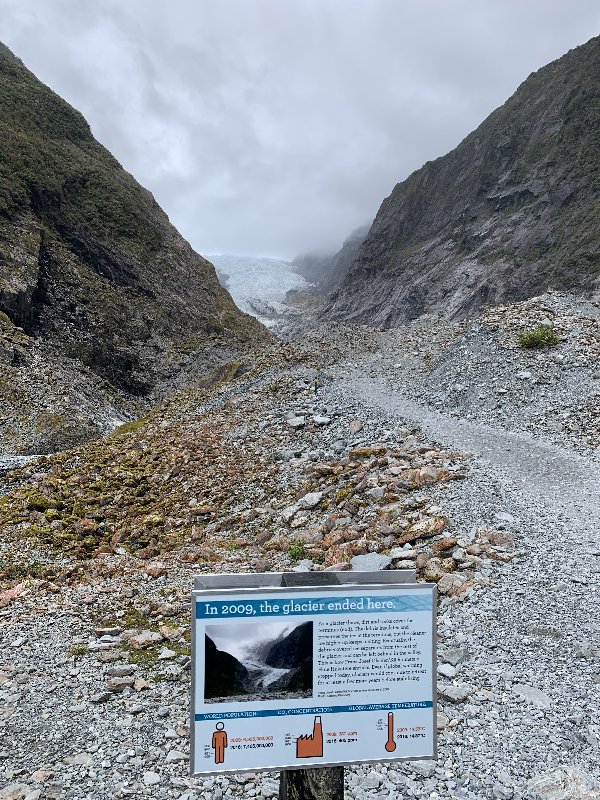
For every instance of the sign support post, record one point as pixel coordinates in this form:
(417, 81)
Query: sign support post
(311, 784)
(326, 783)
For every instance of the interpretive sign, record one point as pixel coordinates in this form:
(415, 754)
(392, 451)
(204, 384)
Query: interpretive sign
(297, 676)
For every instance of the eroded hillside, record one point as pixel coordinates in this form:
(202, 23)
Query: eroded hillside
(90, 265)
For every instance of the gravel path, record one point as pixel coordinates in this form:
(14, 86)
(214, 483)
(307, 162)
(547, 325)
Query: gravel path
(533, 638)
(546, 474)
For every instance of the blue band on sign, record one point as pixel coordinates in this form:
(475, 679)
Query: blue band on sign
(311, 606)
(283, 712)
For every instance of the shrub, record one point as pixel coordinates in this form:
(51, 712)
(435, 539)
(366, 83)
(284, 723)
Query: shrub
(297, 551)
(78, 650)
(542, 336)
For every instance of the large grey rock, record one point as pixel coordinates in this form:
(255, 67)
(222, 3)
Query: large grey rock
(456, 655)
(532, 695)
(456, 694)
(175, 755)
(311, 500)
(423, 768)
(305, 565)
(447, 670)
(370, 562)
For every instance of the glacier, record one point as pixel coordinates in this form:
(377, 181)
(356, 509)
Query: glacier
(259, 285)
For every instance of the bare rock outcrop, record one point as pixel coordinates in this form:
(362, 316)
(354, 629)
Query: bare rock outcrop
(512, 211)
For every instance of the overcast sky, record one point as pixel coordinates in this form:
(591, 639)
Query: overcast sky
(272, 127)
(239, 638)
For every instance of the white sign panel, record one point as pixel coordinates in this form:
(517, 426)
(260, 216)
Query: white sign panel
(303, 677)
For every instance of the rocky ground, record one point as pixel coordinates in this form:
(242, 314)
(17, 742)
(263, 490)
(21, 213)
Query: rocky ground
(477, 371)
(50, 402)
(342, 448)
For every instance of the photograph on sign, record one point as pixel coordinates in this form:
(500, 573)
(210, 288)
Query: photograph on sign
(302, 677)
(258, 661)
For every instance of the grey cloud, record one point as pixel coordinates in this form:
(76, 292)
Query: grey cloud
(271, 127)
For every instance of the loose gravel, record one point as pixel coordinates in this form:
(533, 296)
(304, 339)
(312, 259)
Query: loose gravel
(519, 655)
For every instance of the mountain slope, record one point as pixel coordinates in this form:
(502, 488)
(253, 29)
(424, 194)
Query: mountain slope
(327, 270)
(89, 263)
(512, 211)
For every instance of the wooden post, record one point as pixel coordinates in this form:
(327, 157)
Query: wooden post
(321, 783)
(325, 783)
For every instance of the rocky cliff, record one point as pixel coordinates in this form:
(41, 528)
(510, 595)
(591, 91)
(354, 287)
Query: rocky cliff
(512, 211)
(326, 270)
(294, 652)
(224, 675)
(294, 649)
(89, 263)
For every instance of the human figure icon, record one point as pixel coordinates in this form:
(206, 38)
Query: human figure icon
(219, 742)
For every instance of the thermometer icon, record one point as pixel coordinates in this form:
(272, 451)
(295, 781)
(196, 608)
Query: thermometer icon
(390, 745)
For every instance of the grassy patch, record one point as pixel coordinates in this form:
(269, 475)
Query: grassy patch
(17, 572)
(130, 427)
(131, 618)
(297, 551)
(536, 338)
(78, 650)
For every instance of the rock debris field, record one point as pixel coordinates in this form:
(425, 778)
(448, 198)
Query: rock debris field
(423, 447)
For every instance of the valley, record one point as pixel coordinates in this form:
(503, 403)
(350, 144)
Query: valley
(503, 516)
(427, 398)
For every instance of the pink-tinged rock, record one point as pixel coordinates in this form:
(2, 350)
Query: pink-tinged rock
(145, 639)
(156, 569)
(118, 684)
(497, 538)
(9, 595)
(428, 474)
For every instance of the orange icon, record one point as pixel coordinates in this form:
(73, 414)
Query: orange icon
(219, 743)
(390, 745)
(311, 745)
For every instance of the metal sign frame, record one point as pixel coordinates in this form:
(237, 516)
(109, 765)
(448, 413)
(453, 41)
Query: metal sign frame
(229, 584)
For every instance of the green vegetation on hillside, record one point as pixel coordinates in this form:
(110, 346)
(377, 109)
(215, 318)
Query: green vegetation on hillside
(51, 164)
(542, 336)
(89, 263)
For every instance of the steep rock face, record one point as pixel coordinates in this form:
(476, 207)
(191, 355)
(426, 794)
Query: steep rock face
(294, 649)
(512, 211)
(224, 674)
(328, 271)
(294, 652)
(89, 263)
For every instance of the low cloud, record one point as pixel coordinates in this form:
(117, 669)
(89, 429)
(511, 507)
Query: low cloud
(271, 127)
